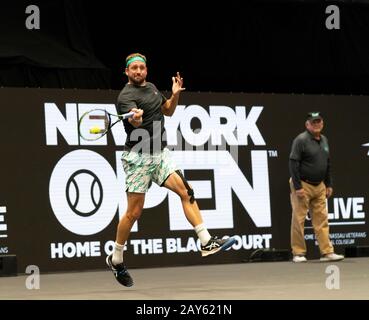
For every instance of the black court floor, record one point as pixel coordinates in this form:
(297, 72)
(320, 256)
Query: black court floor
(348, 279)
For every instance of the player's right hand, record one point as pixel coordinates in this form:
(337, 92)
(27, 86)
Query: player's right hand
(138, 113)
(136, 119)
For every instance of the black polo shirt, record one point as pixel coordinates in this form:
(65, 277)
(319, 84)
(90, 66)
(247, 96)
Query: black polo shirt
(309, 160)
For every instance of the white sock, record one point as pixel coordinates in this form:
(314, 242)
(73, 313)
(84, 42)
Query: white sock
(202, 233)
(117, 253)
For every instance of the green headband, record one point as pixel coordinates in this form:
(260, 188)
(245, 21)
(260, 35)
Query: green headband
(137, 58)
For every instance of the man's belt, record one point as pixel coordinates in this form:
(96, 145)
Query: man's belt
(311, 182)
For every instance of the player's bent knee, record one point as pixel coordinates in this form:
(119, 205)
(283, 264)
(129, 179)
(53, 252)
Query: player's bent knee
(188, 193)
(183, 194)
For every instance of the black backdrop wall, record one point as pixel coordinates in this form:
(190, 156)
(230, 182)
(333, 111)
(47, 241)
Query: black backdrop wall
(61, 197)
(245, 46)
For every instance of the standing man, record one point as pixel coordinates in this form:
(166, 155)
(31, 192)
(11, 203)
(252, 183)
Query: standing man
(145, 159)
(311, 185)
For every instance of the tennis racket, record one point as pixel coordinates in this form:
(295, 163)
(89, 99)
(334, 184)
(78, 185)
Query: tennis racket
(96, 123)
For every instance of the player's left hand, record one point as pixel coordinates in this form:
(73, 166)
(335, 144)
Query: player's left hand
(177, 84)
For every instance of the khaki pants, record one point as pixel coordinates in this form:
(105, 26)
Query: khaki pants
(315, 202)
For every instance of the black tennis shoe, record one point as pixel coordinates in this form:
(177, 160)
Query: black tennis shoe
(120, 272)
(215, 245)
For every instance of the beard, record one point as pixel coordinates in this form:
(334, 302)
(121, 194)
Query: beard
(137, 81)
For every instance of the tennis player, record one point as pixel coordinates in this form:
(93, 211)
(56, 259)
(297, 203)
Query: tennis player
(145, 159)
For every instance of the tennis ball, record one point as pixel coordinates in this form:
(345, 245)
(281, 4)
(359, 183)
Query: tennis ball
(95, 130)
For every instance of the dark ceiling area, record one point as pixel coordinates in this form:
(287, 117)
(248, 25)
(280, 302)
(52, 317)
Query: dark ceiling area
(228, 46)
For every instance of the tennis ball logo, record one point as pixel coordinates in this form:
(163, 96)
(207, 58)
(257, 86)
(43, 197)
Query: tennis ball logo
(84, 192)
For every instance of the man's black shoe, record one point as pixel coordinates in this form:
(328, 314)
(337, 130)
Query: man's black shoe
(120, 272)
(215, 245)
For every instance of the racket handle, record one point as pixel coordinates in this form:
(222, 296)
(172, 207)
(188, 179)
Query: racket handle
(127, 115)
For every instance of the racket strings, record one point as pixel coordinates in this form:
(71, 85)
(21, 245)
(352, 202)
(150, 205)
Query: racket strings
(94, 124)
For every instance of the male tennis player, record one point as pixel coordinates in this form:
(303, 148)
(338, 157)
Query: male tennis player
(145, 159)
